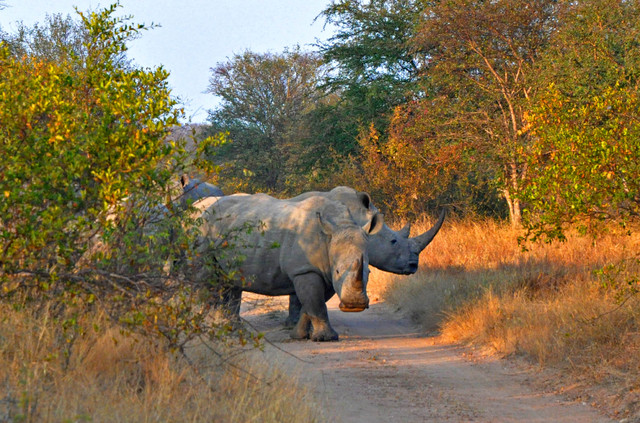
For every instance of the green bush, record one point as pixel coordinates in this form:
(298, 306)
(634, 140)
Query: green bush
(86, 210)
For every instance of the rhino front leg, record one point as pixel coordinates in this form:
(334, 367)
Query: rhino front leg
(314, 317)
(295, 306)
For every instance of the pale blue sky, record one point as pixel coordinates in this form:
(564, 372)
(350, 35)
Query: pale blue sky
(195, 34)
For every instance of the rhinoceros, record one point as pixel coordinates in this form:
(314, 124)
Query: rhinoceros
(389, 250)
(194, 189)
(311, 248)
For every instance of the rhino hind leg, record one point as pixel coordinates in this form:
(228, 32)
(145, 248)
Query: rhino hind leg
(295, 306)
(314, 317)
(302, 329)
(233, 299)
(228, 300)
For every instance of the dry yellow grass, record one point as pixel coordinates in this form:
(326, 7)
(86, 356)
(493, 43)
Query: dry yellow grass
(477, 286)
(110, 377)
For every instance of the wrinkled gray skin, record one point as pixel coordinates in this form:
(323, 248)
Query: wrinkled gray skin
(311, 248)
(389, 250)
(194, 189)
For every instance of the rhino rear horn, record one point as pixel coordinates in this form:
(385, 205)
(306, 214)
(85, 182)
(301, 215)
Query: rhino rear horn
(421, 241)
(405, 231)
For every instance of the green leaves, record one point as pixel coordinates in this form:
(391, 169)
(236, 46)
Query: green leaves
(266, 99)
(82, 131)
(86, 211)
(584, 161)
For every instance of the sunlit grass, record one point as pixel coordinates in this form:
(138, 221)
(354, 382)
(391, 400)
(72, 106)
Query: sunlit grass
(477, 286)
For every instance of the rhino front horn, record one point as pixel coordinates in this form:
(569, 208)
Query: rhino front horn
(421, 241)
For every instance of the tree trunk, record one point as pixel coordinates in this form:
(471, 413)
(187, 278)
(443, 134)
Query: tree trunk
(515, 213)
(511, 186)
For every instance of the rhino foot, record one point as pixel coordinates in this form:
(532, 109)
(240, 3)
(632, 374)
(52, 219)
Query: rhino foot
(290, 321)
(325, 335)
(322, 331)
(295, 334)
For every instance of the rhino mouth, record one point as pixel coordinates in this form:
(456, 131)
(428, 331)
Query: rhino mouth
(352, 309)
(412, 268)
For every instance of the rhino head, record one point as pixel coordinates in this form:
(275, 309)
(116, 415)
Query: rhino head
(396, 252)
(194, 189)
(349, 260)
(389, 250)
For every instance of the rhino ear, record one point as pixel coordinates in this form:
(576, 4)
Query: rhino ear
(375, 224)
(184, 180)
(365, 199)
(405, 231)
(327, 226)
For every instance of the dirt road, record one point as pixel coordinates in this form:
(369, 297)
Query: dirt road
(384, 370)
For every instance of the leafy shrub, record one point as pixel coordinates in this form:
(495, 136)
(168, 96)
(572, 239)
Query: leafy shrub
(87, 217)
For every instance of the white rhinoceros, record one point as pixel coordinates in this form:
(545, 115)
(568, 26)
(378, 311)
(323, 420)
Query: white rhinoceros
(389, 250)
(194, 189)
(311, 248)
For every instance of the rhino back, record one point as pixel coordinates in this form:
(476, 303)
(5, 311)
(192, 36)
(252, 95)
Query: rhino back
(284, 239)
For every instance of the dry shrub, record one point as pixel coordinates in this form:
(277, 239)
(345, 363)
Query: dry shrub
(110, 376)
(477, 286)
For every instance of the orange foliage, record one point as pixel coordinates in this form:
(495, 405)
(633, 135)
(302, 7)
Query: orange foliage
(416, 168)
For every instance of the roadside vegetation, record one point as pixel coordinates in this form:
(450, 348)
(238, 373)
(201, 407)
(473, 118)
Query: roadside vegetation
(569, 305)
(108, 375)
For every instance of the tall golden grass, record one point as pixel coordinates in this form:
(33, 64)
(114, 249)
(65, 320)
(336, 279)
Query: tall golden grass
(550, 304)
(108, 376)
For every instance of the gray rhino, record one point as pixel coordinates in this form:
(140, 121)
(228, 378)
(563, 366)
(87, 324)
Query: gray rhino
(389, 250)
(311, 248)
(194, 189)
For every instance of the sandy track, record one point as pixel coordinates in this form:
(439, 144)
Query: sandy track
(384, 370)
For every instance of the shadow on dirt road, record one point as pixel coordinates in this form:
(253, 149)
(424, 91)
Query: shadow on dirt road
(384, 370)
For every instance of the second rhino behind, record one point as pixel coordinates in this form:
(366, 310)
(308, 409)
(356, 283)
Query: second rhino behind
(389, 250)
(193, 189)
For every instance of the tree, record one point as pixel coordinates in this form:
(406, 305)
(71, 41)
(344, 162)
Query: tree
(52, 41)
(428, 164)
(586, 136)
(264, 101)
(84, 219)
(481, 58)
(373, 65)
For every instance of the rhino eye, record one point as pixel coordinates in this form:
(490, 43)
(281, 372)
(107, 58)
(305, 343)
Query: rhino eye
(393, 241)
